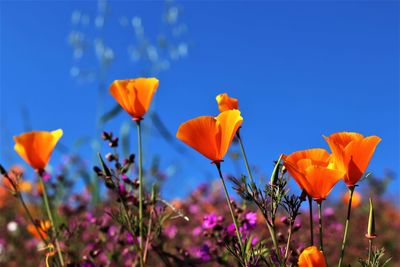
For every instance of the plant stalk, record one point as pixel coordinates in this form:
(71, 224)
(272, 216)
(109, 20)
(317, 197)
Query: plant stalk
(346, 227)
(140, 152)
(30, 217)
(218, 164)
(245, 157)
(272, 233)
(321, 242)
(369, 249)
(311, 221)
(50, 215)
(288, 240)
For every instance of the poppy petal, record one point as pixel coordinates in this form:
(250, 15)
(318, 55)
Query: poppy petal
(322, 181)
(134, 95)
(226, 103)
(295, 172)
(36, 147)
(344, 138)
(124, 94)
(145, 89)
(229, 122)
(358, 155)
(311, 257)
(201, 134)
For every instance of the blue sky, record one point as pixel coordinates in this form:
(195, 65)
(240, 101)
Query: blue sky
(301, 69)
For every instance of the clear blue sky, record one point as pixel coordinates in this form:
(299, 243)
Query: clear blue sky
(300, 69)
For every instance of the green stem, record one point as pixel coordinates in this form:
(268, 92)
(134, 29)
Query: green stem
(30, 217)
(271, 229)
(245, 157)
(346, 227)
(288, 241)
(321, 242)
(369, 249)
(311, 221)
(50, 215)
(218, 164)
(139, 132)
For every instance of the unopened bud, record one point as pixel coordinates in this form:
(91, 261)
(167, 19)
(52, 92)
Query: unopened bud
(296, 227)
(106, 136)
(98, 171)
(113, 142)
(275, 172)
(2, 170)
(371, 222)
(110, 157)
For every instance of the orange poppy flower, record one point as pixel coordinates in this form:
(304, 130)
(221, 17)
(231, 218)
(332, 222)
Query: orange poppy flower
(314, 171)
(36, 147)
(211, 136)
(312, 257)
(352, 153)
(226, 103)
(43, 227)
(134, 95)
(356, 200)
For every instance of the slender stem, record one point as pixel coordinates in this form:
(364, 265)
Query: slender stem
(321, 242)
(346, 227)
(30, 217)
(139, 132)
(288, 240)
(19, 195)
(50, 215)
(230, 206)
(245, 157)
(272, 233)
(311, 221)
(123, 204)
(147, 237)
(369, 249)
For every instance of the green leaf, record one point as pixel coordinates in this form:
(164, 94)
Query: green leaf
(110, 114)
(106, 170)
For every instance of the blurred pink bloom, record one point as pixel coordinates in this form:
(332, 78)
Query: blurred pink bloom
(171, 231)
(209, 221)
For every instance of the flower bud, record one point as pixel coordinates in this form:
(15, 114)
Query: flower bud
(371, 222)
(106, 136)
(110, 157)
(113, 142)
(2, 170)
(98, 171)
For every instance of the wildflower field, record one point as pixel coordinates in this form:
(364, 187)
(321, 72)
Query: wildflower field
(315, 206)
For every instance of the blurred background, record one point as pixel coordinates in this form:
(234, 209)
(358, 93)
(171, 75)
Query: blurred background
(299, 69)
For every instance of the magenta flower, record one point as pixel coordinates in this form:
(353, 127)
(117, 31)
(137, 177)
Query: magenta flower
(232, 230)
(251, 218)
(171, 231)
(196, 231)
(204, 253)
(209, 221)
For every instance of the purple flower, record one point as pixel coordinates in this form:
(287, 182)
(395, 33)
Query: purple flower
(209, 221)
(88, 263)
(337, 226)
(196, 231)
(112, 231)
(122, 189)
(46, 176)
(254, 241)
(130, 239)
(329, 211)
(193, 208)
(231, 229)
(171, 231)
(204, 253)
(251, 218)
